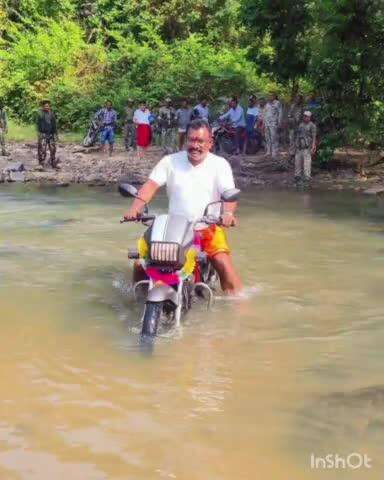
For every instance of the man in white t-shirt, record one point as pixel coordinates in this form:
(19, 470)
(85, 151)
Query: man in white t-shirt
(194, 178)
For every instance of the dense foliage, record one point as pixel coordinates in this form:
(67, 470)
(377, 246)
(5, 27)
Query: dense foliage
(78, 53)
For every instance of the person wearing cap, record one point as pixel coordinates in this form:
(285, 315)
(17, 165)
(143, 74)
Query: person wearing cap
(167, 121)
(272, 117)
(3, 128)
(305, 143)
(129, 127)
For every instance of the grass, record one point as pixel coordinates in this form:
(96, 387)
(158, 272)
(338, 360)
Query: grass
(27, 133)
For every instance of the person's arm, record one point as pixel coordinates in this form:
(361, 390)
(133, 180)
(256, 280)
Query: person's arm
(280, 120)
(226, 182)
(54, 125)
(157, 179)
(314, 133)
(38, 122)
(225, 115)
(146, 193)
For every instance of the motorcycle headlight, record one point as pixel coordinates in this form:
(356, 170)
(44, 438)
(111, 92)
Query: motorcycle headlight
(164, 252)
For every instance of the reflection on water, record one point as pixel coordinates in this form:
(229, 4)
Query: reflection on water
(249, 390)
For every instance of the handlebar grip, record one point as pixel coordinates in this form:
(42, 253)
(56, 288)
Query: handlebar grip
(141, 218)
(216, 221)
(146, 218)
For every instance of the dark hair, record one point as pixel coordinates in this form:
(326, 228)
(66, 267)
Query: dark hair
(199, 123)
(45, 102)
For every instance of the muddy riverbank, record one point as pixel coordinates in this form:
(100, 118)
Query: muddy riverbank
(91, 167)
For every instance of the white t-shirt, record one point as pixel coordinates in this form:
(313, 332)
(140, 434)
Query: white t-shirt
(190, 188)
(141, 117)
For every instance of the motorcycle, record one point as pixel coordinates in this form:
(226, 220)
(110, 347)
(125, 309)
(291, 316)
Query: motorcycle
(224, 137)
(92, 134)
(177, 270)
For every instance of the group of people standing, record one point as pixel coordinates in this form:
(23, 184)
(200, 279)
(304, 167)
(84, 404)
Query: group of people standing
(266, 120)
(141, 126)
(263, 120)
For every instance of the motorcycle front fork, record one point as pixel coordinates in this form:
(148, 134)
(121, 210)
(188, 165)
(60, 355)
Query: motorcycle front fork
(179, 307)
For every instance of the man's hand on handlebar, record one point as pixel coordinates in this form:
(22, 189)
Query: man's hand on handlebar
(134, 213)
(228, 219)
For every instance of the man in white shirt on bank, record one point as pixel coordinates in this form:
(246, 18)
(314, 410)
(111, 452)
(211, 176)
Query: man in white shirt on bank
(235, 115)
(202, 110)
(194, 178)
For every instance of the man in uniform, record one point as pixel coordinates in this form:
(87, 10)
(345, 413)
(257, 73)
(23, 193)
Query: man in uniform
(295, 116)
(305, 142)
(272, 116)
(167, 122)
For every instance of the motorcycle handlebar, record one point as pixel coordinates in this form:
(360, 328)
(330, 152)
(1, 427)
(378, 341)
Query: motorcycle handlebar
(215, 221)
(141, 218)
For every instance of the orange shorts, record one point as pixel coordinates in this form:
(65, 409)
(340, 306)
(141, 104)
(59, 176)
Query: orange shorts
(214, 240)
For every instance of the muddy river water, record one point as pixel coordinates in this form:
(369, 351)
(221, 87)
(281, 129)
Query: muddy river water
(259, 388)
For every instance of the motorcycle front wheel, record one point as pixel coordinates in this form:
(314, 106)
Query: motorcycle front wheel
(151, 319)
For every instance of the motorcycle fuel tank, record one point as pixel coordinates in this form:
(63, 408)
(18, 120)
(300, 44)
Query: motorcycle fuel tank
(172, 228)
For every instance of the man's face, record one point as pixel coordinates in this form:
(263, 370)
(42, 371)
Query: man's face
(299, 99)
(252, 102)
(108, 105)
(199, 143)
(271, 97)
(306, 119)
(204, 103)
(142, 106)
(46, 107)
(233, 104)
(184, 104)
(130, 104)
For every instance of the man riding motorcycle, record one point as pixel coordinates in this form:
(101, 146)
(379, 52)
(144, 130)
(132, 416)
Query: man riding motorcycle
(193, 179)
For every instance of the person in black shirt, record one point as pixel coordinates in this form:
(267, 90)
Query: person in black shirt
(46, 134)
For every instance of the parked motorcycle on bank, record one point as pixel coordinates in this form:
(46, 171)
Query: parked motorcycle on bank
(92, 134)
(177, 270)
(224, 137)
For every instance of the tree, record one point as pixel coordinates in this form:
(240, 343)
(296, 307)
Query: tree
(285, 23)
(347, 63)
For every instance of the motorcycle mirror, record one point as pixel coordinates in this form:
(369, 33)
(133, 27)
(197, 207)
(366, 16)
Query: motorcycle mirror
(127, 190)
(231, 195)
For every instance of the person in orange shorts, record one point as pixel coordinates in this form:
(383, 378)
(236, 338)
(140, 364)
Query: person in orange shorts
(194, 178)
